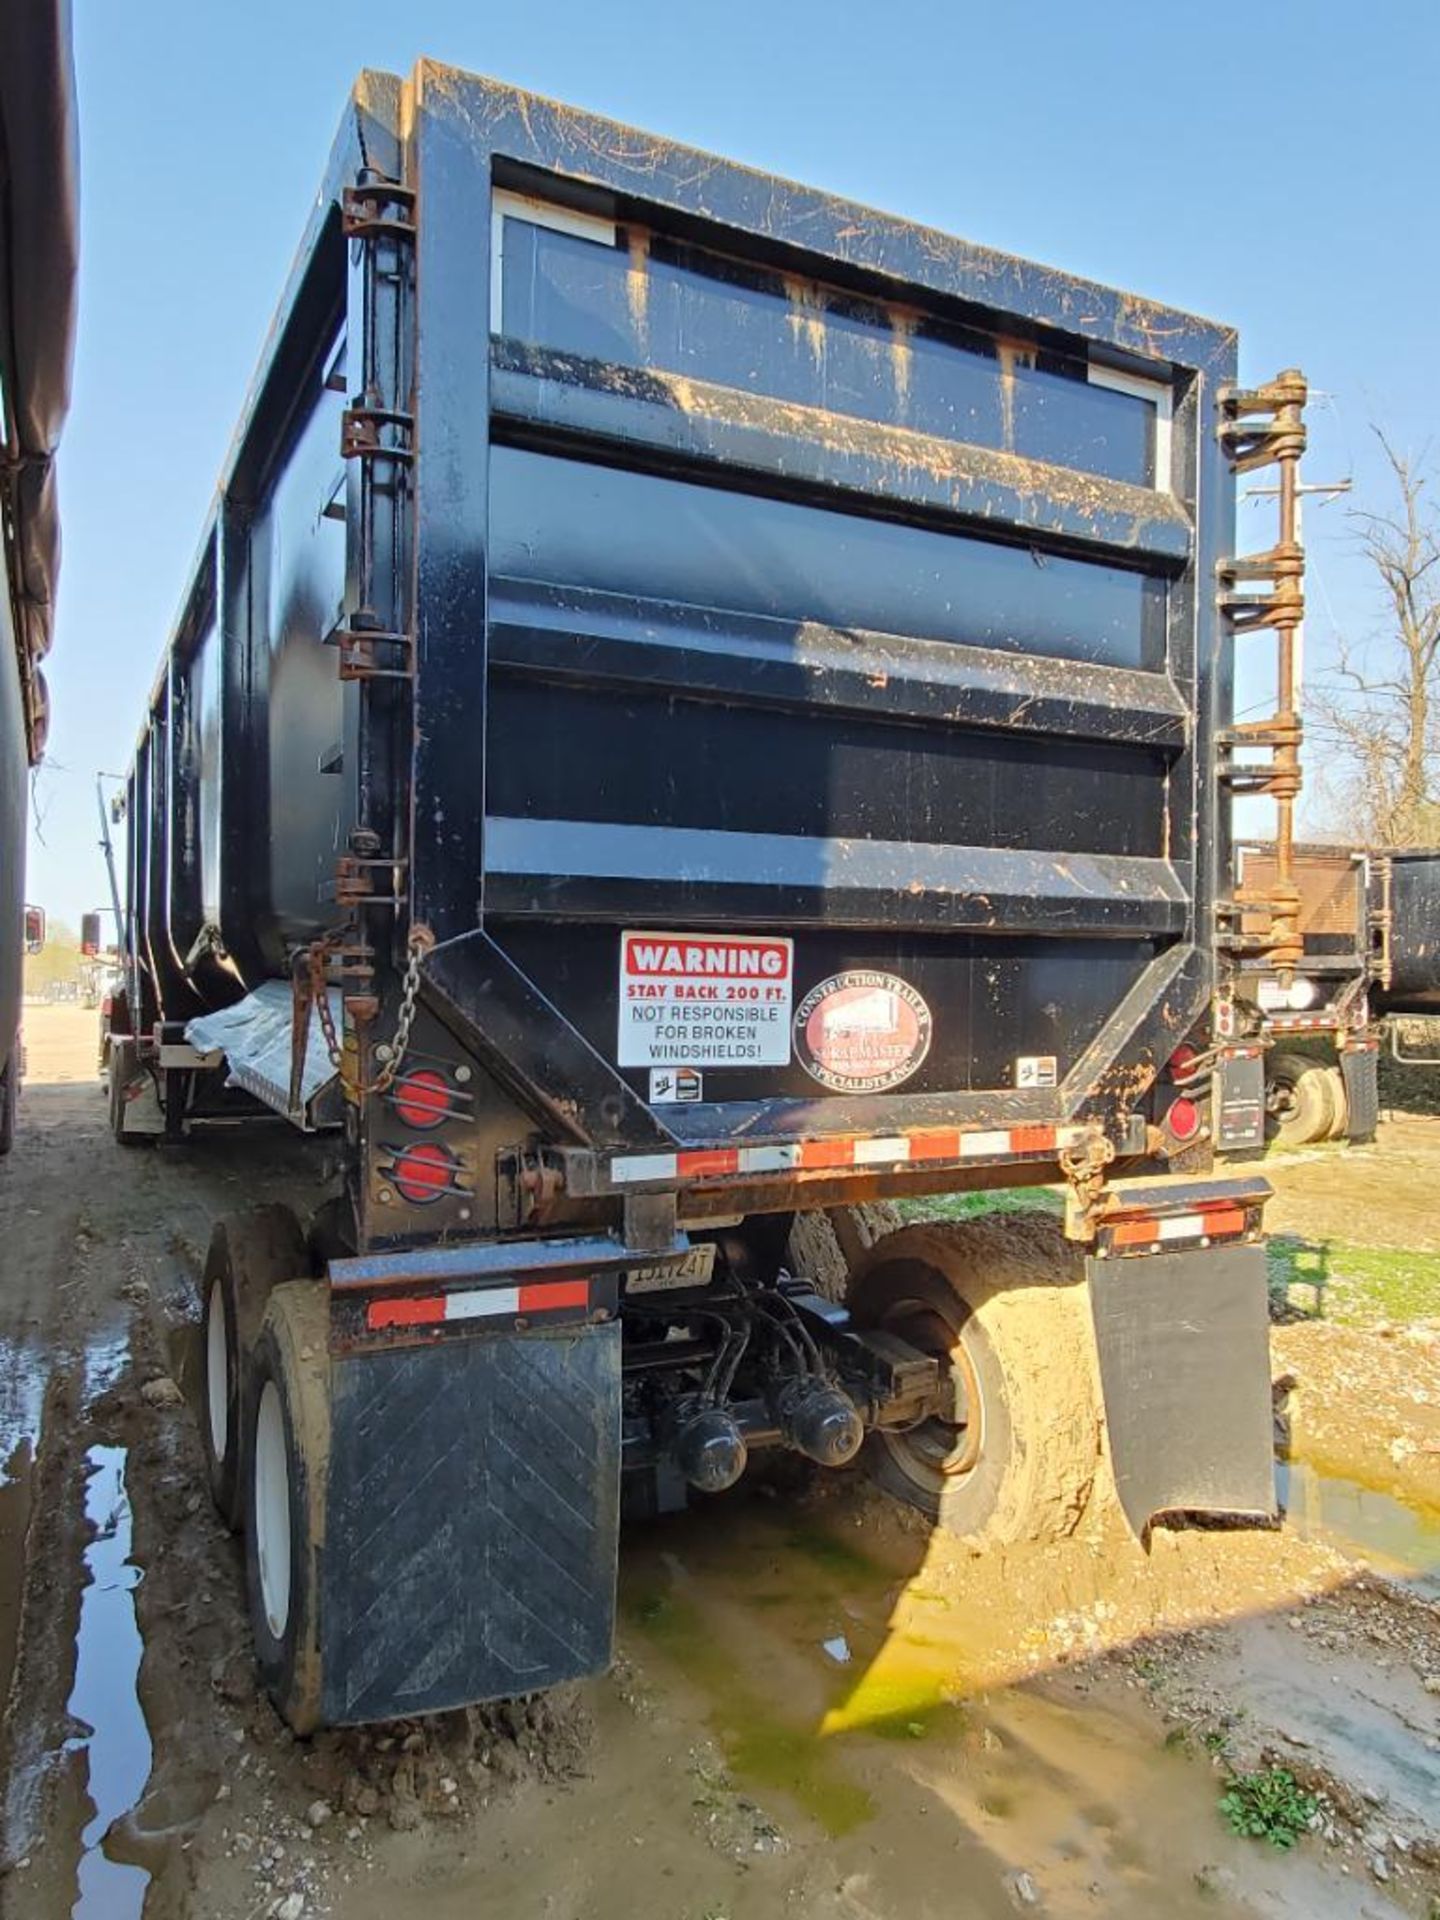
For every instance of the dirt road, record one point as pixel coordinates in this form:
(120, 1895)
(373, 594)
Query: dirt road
(818, 1707)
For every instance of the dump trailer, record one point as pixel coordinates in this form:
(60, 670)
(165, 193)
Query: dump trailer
(38, 260)
(1369, 970)
(702, 711)
(1332, 996)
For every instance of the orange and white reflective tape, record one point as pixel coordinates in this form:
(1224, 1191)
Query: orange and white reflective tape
(1225, 1221)
(477, 1303)
(931, 1144)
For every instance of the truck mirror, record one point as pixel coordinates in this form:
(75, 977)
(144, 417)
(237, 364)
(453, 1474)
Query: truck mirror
(90, 935)
(34, 929)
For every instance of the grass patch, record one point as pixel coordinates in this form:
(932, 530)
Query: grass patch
(1268, 1805)
(968, 1206)
(1353, 1286)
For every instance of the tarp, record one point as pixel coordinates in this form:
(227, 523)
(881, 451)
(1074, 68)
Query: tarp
(39, 254)
(255, 1037)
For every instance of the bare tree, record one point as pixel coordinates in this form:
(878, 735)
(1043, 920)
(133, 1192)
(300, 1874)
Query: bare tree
(1378, 709)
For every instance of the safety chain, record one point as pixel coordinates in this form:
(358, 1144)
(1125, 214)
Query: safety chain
(391, 1055)
(1083, 1165)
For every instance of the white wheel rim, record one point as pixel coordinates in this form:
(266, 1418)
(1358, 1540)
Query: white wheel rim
(217, 1374)
(272, 1510)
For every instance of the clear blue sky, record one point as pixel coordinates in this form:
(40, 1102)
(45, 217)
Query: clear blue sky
(1270, 164)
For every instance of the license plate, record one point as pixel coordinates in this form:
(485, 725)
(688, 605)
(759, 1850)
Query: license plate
(692, 1269)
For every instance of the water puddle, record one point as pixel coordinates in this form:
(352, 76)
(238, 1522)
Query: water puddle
(895, 1702)
(105, 1361)
(104, 1698)
(22, 1394)
(16, 1505)
(1396, 1538)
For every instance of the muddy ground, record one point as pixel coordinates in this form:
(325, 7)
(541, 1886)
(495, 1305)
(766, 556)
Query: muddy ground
(818, 1708)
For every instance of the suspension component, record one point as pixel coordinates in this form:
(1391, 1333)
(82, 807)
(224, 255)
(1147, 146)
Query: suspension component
(1259, 427)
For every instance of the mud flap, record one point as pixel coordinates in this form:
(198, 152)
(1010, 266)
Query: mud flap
(1240, 1102)
(472, 1520)
(1360, 1068)
(1184, 1346)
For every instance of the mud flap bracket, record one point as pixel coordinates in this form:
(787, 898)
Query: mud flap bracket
(1184, 1348)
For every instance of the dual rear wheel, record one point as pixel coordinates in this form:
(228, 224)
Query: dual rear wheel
(999, 1301)
(265, 1429)
(1305, 1100)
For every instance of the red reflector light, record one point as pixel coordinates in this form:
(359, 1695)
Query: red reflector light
(1183, 1119)
(1183, 1058)
(424, 1173)
(422, 1099)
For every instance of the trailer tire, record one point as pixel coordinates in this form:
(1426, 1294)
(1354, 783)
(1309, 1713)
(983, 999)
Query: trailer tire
(1299, 1100)
(250, 1254)
(827, 1245)
(1340, 1125)
(287, 1463)
(9, 1091)
(124, 1064)
(1002, 1301)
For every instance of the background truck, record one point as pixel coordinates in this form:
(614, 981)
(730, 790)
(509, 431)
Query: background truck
(701, 709)
(1369, 928)
(38, 253)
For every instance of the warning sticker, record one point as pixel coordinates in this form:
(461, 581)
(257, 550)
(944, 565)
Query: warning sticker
(1036, 1070)
(675, 1083)
(861, 1032)
(704, 1000)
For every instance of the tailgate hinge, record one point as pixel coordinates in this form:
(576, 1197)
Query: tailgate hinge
(1263, 426)
(373, 208)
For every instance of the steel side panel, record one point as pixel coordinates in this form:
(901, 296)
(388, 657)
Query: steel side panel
(472, 1520)
(1184, 1347)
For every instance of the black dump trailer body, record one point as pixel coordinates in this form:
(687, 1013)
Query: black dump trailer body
(1407, 890)
(38, 264)
(699, 704)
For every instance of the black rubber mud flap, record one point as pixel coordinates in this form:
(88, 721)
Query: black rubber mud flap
(472, 1522)
(1184, 1346)
(1240, 1106)
(1360, 1068)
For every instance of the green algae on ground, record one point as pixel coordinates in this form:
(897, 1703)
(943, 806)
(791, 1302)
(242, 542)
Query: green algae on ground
(761, 1748)
(966, 1206)
(1353, 1286)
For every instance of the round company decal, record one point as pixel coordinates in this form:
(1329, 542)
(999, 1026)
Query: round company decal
(861, 1032)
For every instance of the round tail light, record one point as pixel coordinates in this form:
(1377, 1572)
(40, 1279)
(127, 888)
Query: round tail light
(423, 1174)
(422, 1099)
(1183, 1119)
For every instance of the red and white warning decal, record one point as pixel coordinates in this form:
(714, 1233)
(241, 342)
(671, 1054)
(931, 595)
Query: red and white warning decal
(704, 1000)
(861, 1032)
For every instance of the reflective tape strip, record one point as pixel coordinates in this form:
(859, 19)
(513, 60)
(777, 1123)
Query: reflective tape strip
(977, 1146)
(769, 1159)
(862, 1150)
(881, 1150)
(1214, 1223)
(643, 1166)
(478, 1303)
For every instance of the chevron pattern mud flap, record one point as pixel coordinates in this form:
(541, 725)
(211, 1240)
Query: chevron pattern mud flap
(472, 1520)
(1184, 1345)
(1360, 1067)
